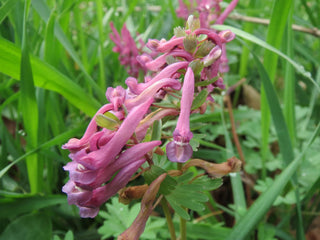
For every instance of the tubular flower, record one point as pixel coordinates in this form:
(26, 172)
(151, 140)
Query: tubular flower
(180, 150)
(102, 153)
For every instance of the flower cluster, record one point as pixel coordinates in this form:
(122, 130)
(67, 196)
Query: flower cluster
(208, 11)
(115, 144)
(127, 49)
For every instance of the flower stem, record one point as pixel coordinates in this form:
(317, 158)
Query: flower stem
(183, 229)
(167, 213)
(183, 222)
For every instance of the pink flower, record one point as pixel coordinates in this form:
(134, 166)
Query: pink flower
(152, 90)
(77, 144)
(167, 72)
(180, 150)
(90, 179)
(126, 47)
(107, 153)
(116, 96)
(90, 208)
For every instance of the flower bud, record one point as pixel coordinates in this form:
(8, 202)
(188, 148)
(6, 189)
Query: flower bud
(196, 66)
(204, 49)
(227, 35)
(214, 54)
(190, 43)
(126, 195)
(216, 170)
(192, 23)
(179, 32)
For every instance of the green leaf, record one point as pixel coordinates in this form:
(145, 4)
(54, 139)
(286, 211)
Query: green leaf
(28, 227)
(205, 83)
(29, 108)
(207, 183)
(206, 231)
(156, 130)
(168, 183)
(69, 235)
(119, 217)
(6, 8)
(13, 206)
(178, 209)
(277, 115)
(199, 99)
(47, 77)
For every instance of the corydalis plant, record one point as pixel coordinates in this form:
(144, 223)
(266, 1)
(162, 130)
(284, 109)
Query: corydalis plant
(209, 12)
(119, 140)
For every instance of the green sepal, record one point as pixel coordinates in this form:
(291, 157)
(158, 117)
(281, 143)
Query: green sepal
(179, 32)
(204, 49)
(192, 23)
(190, 43)
(196, 66)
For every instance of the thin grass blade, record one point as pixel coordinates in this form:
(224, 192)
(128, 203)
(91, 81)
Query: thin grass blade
(29, 108)
(47, 77)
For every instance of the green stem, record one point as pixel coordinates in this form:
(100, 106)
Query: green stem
(167, 213)
(183, 229)
(183, 222)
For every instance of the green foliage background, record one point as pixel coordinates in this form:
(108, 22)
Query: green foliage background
(56, 61)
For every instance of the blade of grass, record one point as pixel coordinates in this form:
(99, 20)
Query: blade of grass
(276, 28)
(313, 99)
(49, 41)
(51, 121)
(309, 12)
(237, 187)
(29, 108)
(284, 139)
(260, 207)
(289, 89)
(289, 115)
(43, 10)
(83, 49)
(6, 8)
(102, 81)
(47, 77)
